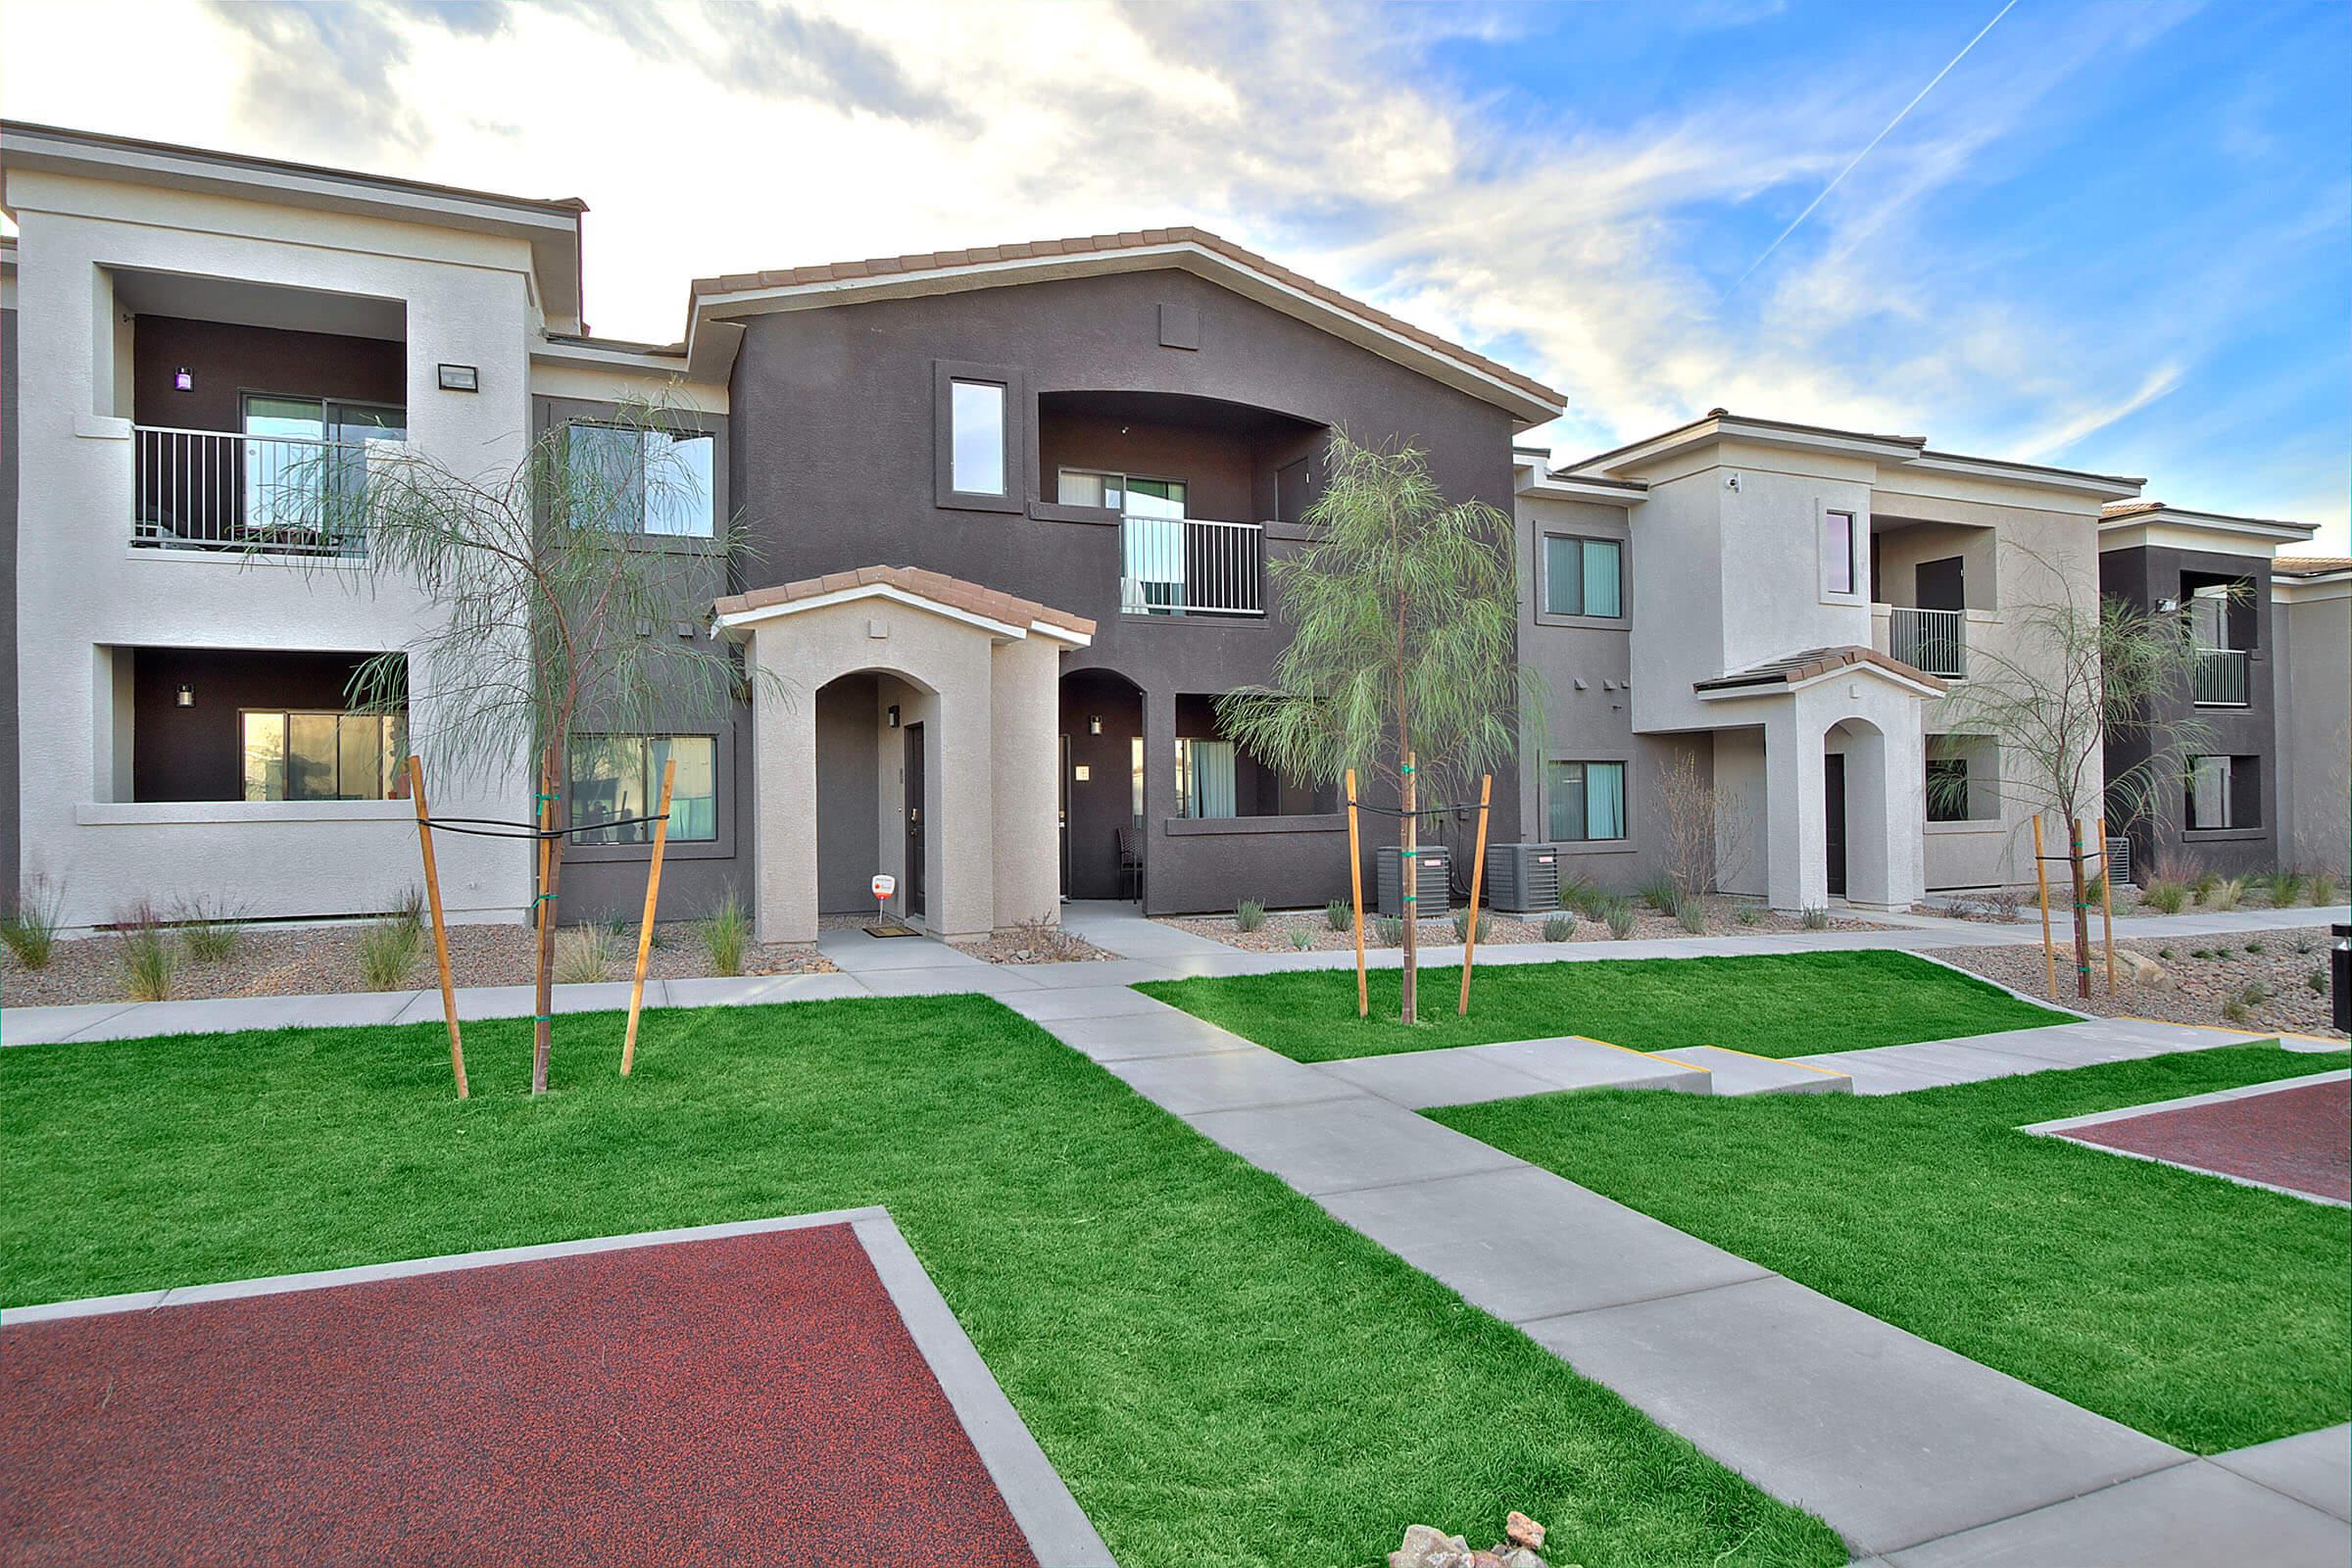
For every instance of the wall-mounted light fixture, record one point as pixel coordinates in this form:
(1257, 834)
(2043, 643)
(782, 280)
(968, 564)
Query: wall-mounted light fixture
(188, 695)
(460, 378)
(1093, 723)
(892, 714)
(183, 380)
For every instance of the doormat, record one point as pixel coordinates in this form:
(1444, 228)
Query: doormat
(891, 931)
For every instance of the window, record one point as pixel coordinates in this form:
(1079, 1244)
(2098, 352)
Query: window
(634, 480)
(1135, 780)
(615, 776)
(976, 447)
(1205, 778)
(1586, 801)
(309, 755)
(2223, 792)
(1838, 539)
(1583, 577)
(1947, 789)
(303, 451)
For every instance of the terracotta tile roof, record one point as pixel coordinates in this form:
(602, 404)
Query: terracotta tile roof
(1814, 661)
(2129, 508)
(2309, 565)
(954, 592)
(1105, 244)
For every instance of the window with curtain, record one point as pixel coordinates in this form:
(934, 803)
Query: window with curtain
(616, 776)
(311, 755)
(1205, 778)
(643, 481)
(2223, 792)
(1585, 801)
(1583, 577)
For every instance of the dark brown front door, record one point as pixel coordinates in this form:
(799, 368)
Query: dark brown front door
(915, 820)
(1834, 819)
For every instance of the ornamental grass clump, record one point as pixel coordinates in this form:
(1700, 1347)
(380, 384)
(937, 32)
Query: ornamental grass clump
(1662, 894)
(208, 928)
(584, 954)
(390, 948)
(2320, 887)
(31, 931)
(725, 932)
(2165, 897)
(1691, 915)
(1339, 915)
(1817, 919)
(1301, 939)
(1618, 913)
(1559, 928)
(149, 956)
(2227, 894)
(1248, 916)
(2284, 888)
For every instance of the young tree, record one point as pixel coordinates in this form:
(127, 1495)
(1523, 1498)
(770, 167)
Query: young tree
(560, 613)
(1708, 832)
(2070, 679)
(1405, 616)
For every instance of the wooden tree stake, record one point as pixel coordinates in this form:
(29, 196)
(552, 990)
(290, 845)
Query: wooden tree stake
(1478, 867)
(1355, 894)
(2107, 901)
(432, 895)
(653, 891)
(2042, 878)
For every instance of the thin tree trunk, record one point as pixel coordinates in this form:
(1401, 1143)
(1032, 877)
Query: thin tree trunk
(2074, 866)
(1408, 830)
(551, 867)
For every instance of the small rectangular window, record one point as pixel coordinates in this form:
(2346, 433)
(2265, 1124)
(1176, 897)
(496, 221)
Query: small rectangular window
(1585, 801)
(634, 480)
(1947, 789)
(1838, 552)
(1583, 577)
(2223, 792)
(614, 777)
(298, 755)
(976, 450)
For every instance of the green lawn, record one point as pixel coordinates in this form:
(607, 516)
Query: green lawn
(1221, 1372)
(1779, 1004)
(2204, 1314)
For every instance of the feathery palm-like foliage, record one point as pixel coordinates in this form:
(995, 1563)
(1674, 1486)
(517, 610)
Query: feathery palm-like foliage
(1402, 657)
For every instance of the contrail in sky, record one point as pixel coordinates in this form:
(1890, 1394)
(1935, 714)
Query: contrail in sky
(1874, 140)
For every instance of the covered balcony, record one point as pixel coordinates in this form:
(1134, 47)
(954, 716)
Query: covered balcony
(257, 412)
(1191, 483)
(2222, 620)
(1927, 578)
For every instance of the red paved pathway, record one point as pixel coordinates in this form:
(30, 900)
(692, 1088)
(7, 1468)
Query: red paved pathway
(2298, 1138)
(748, 1400)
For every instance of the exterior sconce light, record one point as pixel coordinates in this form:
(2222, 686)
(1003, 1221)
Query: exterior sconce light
(1093, 723)
(188, 695)
(460, 378)
(183, 380)
(1082, 773)
(892, 714)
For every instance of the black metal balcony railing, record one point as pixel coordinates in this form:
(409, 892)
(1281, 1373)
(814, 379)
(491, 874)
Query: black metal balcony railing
(2221, 677)
(1191, 566)
(1930, 640)
(223, 490)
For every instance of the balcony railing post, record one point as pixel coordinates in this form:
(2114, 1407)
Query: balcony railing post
(2221, 677)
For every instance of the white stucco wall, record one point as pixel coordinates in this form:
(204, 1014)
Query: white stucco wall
(2312, 629)
(83, 590)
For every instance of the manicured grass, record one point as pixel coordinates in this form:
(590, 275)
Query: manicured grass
(1221, 1372)
(1777, 1004)
(2204, 1314)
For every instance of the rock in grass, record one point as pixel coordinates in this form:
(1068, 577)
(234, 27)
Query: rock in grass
(1521, 1530)
(1426, 1547)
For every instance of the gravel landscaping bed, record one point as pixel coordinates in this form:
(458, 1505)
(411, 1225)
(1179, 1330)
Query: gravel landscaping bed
(319, 958)
(2169, 980)
(1039, 942)
(1725, 918)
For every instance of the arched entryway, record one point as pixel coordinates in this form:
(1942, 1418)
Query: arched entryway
(1101, 788)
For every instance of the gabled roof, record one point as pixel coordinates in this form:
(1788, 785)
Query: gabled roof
(969, 601)
(1797, 669)
(1182, 246)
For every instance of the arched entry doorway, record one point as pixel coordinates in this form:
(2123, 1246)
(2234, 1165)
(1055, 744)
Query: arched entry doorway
(1102, 766)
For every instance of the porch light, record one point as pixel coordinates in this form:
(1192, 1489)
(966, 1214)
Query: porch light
(188, 695)
(183, 380)
(891, 714)
(1093, 723)
(1082, 773)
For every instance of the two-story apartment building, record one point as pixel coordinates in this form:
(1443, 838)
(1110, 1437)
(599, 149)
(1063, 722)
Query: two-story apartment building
(1789, 607)
(1009, 516)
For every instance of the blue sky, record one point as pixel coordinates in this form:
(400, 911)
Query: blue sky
(2112, 236)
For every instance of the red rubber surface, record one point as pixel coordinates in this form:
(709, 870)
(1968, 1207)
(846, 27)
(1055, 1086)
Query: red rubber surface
(2298, 1138)
(752, 1400)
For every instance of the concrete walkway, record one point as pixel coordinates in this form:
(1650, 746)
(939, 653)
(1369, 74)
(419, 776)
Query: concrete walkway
(1914, 1453)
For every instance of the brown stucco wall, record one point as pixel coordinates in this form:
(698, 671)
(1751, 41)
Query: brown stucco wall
(230, 360)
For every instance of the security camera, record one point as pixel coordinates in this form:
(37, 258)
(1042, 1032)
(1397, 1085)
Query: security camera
(1731, 481)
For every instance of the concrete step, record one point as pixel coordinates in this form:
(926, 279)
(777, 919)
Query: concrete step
(1462, 1075)
(1740, 1072)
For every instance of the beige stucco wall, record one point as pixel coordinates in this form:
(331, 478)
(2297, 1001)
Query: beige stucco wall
(2312, 629)
(987, 702)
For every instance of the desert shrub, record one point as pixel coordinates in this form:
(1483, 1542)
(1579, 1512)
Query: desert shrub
(2237, 1011)
(1462, 925)
(1248, 916)
(2165, 897)
(2320, 886)
(2201, 885)
(2163, 953)
(2255, 948)
(725, 932)
(1750, 915)
(1692, 914)
(1662, 894)
(2094, 889)
(1817, 919)
(1579, 892)
(2225, 895)
(389, 948)
(1390, 929)
(2254, 994)
(2284, 888)
(584, 954)
(1340, 914)
(1301, 939)
(30, 932)
(1559, 927)
(209, 928)
(2318, 981)
(150, 957)
(1618, 912)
